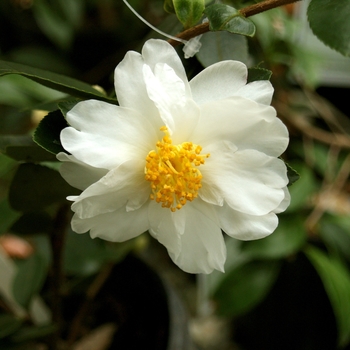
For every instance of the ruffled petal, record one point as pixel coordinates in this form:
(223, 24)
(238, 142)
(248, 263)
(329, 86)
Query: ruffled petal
(285, 203)
(176, 110)
(116, 226)
(244, 226)
(191, 235)
(245, 123)
(130, 86)
(259, 91)
(218, 81)
(103, 135)
(159, 51)
(78, 174)
(249, 181)
(124, 187)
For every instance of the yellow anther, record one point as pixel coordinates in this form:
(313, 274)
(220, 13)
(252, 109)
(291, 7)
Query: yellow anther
(173, 172)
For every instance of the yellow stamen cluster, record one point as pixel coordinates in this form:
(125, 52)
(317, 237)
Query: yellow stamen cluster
(173, 173)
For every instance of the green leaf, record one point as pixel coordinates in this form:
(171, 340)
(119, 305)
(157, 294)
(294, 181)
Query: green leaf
(54, 81)
(189, 12)
(9, 324)
(329, 21)
(292, 174)
(220, 46)
(169, 6)
(23, 148)
(245, 286)
(8, 216)
(256, 74)
(303, 189)
(35, 187)
(66, 106)
(29, 279)
(26, 334)
(336, 281)
(47, 134)
(288, 238)
(224, 17)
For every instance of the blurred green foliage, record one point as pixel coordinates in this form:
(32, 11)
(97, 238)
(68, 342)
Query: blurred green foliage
(64, 47)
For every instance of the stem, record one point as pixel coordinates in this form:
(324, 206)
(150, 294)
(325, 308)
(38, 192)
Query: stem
(57, 245)
(246, 12)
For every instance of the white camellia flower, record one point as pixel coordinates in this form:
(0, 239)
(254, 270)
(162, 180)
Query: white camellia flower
(180, 159)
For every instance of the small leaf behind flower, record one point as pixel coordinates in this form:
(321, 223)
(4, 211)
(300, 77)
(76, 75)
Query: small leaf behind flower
(224, 17)
(47, 134)
(257, 73)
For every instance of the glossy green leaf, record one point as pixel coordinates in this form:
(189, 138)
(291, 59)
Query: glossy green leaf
(336, 280)
(9, 324)
(66, 106)
(288, 238)
(189, 12)
(257, 73)
(329, 21)
(245, 286)
(29, 279)
(35, 187)
(220, 46)
(224, 17)
(54, 81)
(47, 134)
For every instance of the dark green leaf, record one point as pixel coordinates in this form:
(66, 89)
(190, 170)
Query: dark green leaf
(35, 187)
(246, 286)
(336, 280)
(23, 148)
(169, 6)
(220, 46)
(224, 17)
(8, 325)
(329, 21)
(8, 216)
(47, 134)
(29, 279)
(84, 256)
(55, 81)
(189, 12)
(256, 73)
(303, 189)
(287, 239)
(292, 174)
(32, 222)
(26, 334)
(66, 106)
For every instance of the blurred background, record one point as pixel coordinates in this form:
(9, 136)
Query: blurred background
(289, 291)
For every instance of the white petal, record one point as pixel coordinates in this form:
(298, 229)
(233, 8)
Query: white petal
(191, 235)
(249, 181)
(285, 203)
(103, 135)
(130, 86)
(259, 91)
(245, 123)
(179, 113)
(78, 174)
(218, 81)
(124, 186)
(159, 51)
(244, 226)
(117, 226)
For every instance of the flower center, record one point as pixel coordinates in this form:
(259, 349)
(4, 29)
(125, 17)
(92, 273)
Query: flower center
(173, 172)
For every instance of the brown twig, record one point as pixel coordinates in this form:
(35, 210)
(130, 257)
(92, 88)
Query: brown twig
(246, 12)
